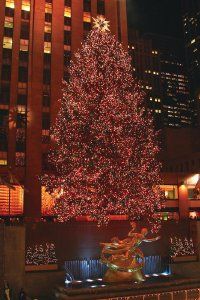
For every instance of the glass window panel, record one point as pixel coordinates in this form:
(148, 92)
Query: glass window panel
(47, 47)
(26, 5)
(8, 22)
(87, 17)
(170, 191)
(10, 3)
(11, 200)
(7, 42)
(67, 12)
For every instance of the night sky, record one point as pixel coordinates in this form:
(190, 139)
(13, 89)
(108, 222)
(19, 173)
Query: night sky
(155, 16)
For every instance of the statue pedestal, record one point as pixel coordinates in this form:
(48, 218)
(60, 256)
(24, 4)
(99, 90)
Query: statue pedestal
(118, 276)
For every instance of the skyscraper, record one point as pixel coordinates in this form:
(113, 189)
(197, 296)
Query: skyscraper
(37, 40)
(191, 26)
(158, 61)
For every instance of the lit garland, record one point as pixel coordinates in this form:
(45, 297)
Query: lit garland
(181, 246)
(103, 157)
(42, 254)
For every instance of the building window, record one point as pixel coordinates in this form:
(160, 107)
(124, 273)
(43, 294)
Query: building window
(3, 130)
(47, 27)
(8, 22)
(22, 88)
(47, 37)
(47, 203)
(47, 76)
(7, 42)
(67, 12)
(67, 37)
(25, 15)
(47, 47)
(7, 56)
(170, 191)
(87, 17)
(22, 99)
(67, 23)
(6, 72)
(68, 3)
(45, 121)
(87, 27)
(45, 136)
(24, 31)
(8, 32)
(46, 100)
(48, 8)
(100, 7)
(23, 59)
(67, 57)
(191, 193)
(5, 93)
(10, 3)
(23, 74)
(87, 5)
(48, 18)
(24, 45)
(11, 200)
(26, 5)
(3, 158)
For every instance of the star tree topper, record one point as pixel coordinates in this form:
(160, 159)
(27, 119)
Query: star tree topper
(101, 24)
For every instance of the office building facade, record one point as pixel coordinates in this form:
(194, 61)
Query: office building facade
(37, 40)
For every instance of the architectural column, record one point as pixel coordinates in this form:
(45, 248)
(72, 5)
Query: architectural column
(57, 57)
(2, 18)
(183, 199)
(77, 25)
(14, 85)
(32, 205)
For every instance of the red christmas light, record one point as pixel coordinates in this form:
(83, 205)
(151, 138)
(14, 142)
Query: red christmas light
(104, 149)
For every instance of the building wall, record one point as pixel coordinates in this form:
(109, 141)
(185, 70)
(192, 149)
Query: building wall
(37, 40)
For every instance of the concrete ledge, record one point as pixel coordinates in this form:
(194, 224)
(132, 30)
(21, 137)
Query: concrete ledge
(126, 290)
(186, 269)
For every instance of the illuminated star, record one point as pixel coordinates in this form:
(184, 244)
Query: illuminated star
(101, 24)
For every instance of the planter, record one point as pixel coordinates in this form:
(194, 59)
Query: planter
(184, 258)
(34, 268)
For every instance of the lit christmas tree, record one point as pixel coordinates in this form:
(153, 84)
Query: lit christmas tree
(103, 158)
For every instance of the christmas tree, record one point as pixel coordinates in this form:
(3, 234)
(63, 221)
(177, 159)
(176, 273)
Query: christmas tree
(103, 159)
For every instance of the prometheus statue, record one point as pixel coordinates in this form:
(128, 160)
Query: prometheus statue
(123, 257)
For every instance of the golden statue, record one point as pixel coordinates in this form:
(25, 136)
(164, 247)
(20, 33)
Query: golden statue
(123, 257)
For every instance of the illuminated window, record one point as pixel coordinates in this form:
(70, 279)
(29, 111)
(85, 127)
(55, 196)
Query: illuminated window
(67, 48)
(67, 12)
(8, 22)
(170, 191)
(7, 42)
(11, 200)
(3, 158)
(165, 216)
(47, 27)
(22, 88)
(47, 203)
(47, 47)
(48, 8)
(87, 17)
(26, 5)
(24, 45)
(10, 3)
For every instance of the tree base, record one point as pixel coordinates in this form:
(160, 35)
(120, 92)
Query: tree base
(117, 276)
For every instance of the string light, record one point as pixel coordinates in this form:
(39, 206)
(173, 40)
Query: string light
(181, 246)
(104, 151)
(41, 254)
